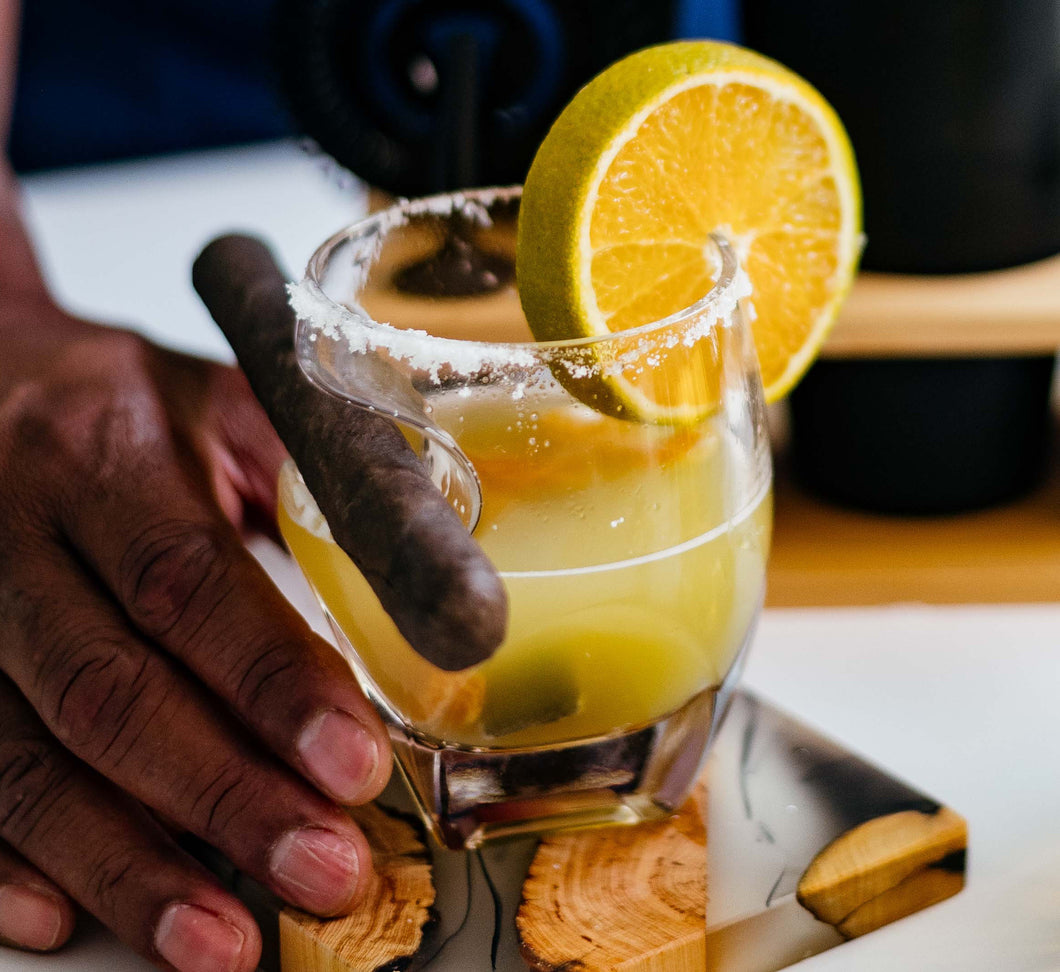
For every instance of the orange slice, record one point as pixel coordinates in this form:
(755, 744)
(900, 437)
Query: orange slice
(664, 148)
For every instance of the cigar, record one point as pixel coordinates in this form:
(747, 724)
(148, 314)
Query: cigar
(431, 577)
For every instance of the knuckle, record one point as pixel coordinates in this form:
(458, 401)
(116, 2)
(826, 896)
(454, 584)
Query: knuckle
(35, 782)
(97, 698)
(261, 677)
(125, 350)
(228, 801)
(85, 425)
(31, 429)
(115, 877)
(22, 607)
(174, 574)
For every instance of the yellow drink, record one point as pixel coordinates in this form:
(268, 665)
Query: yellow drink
(634, 559)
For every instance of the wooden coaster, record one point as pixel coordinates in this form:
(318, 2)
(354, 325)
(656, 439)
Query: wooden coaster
(630, 898)
(387, 930)
(789, 846)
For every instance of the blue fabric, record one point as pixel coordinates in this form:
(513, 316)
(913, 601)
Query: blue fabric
(107, 79)
(719, 19)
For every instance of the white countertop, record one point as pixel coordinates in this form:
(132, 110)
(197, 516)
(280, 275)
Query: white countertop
(962, 702)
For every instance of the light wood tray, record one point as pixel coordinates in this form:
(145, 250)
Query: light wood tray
(827, 555)
(1004, 312)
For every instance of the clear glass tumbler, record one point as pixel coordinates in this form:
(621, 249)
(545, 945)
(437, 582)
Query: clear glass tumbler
(621, 484)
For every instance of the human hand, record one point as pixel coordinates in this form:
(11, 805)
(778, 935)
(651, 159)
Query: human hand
(146, 661)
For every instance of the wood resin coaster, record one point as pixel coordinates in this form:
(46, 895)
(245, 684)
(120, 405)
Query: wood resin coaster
(790, 845)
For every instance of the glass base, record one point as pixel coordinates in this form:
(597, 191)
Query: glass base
(469, 795)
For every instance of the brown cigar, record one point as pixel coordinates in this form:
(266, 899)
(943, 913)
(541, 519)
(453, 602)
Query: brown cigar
(383, 510)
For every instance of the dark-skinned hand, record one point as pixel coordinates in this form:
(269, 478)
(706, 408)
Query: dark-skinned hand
(148, 668)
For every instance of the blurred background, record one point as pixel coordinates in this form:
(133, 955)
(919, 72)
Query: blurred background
(953, 108)
(386, 86)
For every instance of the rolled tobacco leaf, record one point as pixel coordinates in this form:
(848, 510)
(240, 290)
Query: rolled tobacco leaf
(431, 577)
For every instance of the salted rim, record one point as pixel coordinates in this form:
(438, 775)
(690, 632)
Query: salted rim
(314, 307)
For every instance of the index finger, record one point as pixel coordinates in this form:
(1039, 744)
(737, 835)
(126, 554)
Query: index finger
(383, 510)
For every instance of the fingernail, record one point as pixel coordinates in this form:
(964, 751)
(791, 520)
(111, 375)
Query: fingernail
(29, 918)
(316, 869)
(339, 753)
(193, 939)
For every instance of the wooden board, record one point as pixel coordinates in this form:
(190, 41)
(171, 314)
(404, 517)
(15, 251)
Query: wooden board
(1013, 311)
(790, 846)
(824, 554)
(827, 555)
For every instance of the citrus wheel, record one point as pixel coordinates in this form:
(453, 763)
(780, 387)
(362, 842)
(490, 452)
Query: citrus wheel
(666, 147)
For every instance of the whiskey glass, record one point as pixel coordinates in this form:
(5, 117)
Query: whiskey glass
(620, 483)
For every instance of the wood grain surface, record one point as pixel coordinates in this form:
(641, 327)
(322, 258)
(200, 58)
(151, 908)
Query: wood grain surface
(734, 882)
(632, 898)
(885, 869)
(824, 554)
(1012, 311)
(386, 930)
